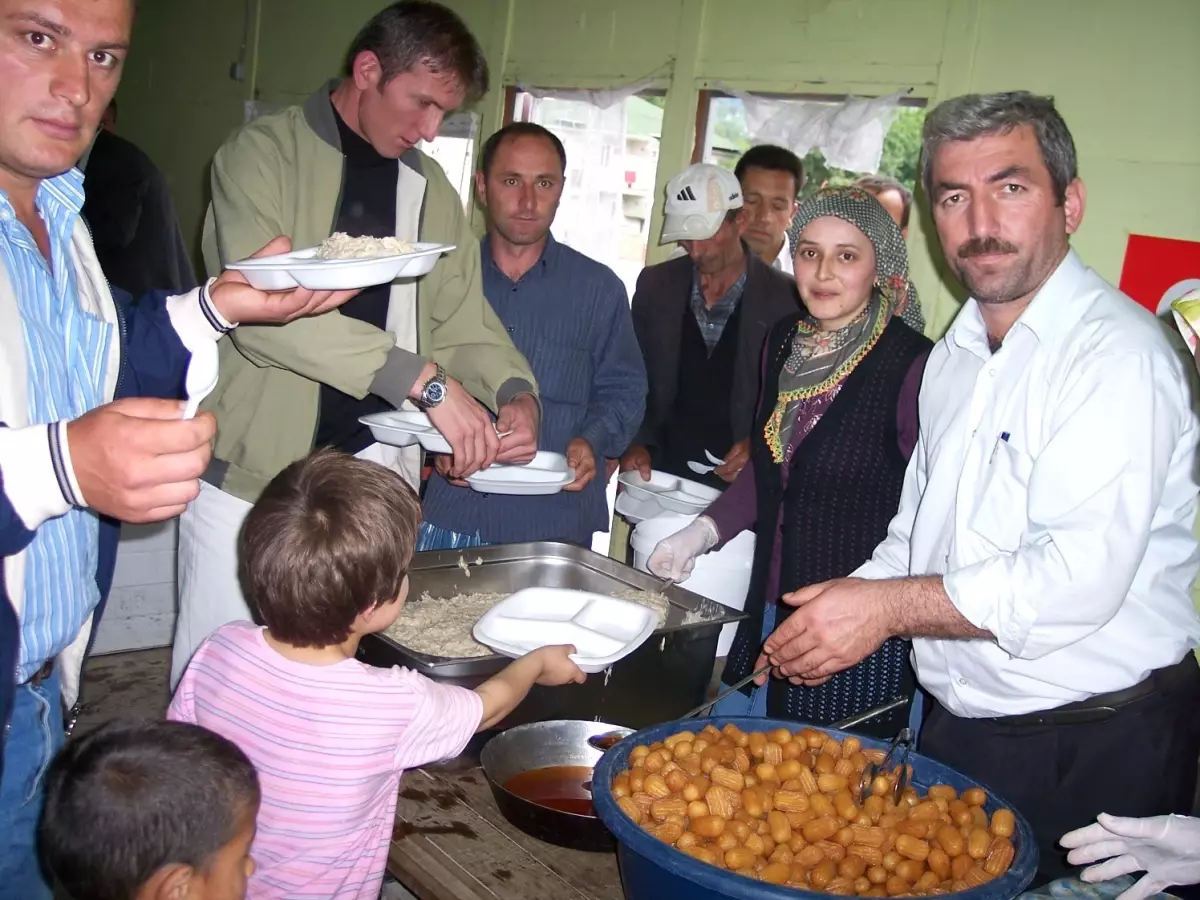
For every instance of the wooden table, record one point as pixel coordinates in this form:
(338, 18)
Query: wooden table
(450, 842)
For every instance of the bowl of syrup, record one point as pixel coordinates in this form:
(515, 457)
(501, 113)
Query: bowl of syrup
(541, 777)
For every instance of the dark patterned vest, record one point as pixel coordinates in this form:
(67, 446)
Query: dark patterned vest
(699, 418)
(843, 490)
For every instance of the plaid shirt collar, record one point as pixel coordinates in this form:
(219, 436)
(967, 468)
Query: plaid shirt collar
(712, 320)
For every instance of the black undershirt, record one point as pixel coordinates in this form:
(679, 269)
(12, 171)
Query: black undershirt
(367, 209)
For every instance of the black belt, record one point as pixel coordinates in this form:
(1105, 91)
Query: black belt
(41, 674)
(1102, 706)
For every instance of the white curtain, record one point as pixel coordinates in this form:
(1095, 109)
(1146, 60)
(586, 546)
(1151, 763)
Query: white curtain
(602, 99)
(850, 134)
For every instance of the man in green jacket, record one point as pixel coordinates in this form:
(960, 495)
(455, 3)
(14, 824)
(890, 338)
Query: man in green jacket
(346, 160)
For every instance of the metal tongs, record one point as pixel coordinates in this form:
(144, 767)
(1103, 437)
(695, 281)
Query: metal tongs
(897, 755)
(732, 689)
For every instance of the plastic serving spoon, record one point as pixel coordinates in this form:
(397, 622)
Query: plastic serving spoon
(202, 372)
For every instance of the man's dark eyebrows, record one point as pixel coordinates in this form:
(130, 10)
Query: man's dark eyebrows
(41, 22)
(58, 30)
(942, 186)
(539, 176)
(1005, 174)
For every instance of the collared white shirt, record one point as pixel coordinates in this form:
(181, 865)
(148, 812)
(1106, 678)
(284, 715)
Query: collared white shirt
(1054, 487)
(783, 262)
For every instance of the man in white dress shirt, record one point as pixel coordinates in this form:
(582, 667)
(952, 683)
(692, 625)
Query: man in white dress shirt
(1042, 556)
(771, 178)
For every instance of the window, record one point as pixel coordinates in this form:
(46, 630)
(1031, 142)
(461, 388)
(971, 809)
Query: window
(727, 138)
(612, 155)
(454, 151)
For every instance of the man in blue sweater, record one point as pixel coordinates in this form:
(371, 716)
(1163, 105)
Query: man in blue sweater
(85, 441)
(569, 316)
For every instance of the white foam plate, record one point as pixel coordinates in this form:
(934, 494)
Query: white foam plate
(403, 427)
(546, 473)
(671, 493)
(301, 268)
(647, 490)
(603, 629)
(636, 510)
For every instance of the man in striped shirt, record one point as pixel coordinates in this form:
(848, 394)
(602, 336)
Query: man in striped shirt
(82, 444)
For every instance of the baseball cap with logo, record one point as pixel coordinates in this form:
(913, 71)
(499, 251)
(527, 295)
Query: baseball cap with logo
(697, 200)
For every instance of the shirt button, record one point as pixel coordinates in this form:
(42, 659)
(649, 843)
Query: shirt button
(963, 682)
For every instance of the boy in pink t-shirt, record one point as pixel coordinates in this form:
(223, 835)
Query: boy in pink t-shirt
(324, 558)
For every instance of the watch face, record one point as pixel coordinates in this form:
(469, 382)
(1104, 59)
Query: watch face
(435, 393)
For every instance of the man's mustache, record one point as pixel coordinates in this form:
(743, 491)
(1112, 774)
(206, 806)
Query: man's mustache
(983, 246)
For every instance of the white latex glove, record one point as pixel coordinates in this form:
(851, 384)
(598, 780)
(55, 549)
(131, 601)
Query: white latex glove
(1166, 848)
(674, 557)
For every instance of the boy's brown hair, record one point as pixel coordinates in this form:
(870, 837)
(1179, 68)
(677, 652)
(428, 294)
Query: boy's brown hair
(331, 536)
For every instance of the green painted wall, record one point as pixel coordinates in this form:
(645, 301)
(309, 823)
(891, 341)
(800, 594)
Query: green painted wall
(177, 100)
(1126, 75)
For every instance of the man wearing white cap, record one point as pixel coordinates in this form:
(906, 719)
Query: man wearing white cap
(701, 320)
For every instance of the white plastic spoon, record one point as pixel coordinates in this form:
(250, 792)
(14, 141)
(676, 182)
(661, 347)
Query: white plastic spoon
(202, 372)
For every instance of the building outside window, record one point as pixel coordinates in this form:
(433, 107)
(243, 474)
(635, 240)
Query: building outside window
(612, 158)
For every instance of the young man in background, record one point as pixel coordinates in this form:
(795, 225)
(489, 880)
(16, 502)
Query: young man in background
(347, 160)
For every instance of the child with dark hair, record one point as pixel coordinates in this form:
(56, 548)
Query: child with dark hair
(324, 558)
(149, 811)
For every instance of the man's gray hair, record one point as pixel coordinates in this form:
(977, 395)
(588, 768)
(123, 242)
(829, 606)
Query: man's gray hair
(973, 116)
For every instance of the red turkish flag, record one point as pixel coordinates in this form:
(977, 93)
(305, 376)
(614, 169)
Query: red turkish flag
(1158, 270)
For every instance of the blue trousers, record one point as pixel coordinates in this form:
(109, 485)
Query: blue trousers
(33, 737)
(433, 537)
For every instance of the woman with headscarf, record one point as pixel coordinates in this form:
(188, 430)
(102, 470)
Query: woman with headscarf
(837, 423)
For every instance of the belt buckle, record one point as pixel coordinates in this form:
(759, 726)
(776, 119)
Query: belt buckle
(42, 674)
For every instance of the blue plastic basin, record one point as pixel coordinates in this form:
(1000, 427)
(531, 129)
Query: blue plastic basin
(651, 870)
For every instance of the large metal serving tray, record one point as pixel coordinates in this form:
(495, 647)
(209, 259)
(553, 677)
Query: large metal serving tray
(662, 678)
(511, 567)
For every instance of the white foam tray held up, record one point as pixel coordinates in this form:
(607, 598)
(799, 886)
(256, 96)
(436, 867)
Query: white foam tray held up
(301, 268)
(402, 427)
(546, 473)
(603, 629)
(678, 495)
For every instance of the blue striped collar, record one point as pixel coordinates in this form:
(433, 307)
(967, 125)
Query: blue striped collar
(65, 189)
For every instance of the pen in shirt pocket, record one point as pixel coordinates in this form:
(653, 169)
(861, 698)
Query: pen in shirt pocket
(1003, 439)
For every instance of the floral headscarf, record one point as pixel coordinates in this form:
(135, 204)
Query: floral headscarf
(821, 360)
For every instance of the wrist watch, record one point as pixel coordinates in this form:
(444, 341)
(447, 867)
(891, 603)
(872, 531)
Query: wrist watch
(434, 391)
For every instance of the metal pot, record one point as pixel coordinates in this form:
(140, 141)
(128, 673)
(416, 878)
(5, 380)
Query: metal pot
(540, 745)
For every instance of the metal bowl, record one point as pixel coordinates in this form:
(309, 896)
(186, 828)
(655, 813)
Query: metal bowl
(538, 746)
